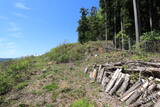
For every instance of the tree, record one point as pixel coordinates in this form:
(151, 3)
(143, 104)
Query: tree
(83, 27)
(137, 20)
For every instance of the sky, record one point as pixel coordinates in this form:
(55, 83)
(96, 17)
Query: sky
(33, 27)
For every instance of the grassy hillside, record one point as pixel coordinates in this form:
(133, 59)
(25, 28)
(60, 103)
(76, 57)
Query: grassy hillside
(56, 78)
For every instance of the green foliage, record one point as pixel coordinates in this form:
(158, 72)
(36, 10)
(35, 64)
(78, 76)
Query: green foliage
(14, 74)
(51, 87)
(5, 83)
(122, 34)
(91, 26)
(81, 103)
(66, 53)
(150, 36)
(150, 41)
(21, 85)
(49, 105)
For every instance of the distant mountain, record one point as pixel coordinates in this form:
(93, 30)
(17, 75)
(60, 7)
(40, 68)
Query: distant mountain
(5, 59)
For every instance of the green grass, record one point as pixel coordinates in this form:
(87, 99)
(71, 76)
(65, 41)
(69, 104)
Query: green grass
(50, 87)
(81, 103)
(22, 85)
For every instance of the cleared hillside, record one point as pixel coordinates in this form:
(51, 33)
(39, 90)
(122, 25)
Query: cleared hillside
(56, 79)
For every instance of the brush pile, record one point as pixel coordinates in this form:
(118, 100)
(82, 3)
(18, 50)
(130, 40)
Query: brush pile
(135, 83)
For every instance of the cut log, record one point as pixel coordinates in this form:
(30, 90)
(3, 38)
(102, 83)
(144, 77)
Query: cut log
(148, 104)
(99, 71)
(158, 86)
(151, 97)
(134, 62)
(113, 80)
(151, 64)
(86, 70)
(144, 69)
(105, 81)
(137, 93)
(127, 96)
(152, 87)
(118, 83)
(93, 75)
(125, 84)
(100, 76)
(135, 86)
(157, 104)
(133, 97)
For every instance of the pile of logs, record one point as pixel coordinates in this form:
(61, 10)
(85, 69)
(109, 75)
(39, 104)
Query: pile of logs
(116, 80)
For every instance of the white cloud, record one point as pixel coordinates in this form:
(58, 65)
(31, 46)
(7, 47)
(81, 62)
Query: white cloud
(3, 18)
(14, 30)
(21, 5)
(17, 35)
(8, 48)
(20, 15)
(13, 27)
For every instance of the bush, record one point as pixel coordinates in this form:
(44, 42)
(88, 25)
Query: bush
(5, 83)
(15, 72)
(81, 103)
(66, 53)
(150, 36)
(150, 41)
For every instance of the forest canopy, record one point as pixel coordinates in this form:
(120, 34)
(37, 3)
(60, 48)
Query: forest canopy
(125, 22)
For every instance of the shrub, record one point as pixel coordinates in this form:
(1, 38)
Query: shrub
(81, 103)
(66, 53)
(15, 72)
(5, 83)
(150, 36)
(150, 41)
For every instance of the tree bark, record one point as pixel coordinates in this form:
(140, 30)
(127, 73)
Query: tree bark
(106, 12)
(122, 30)
(128, 93)
(113, 80)
(137, 93)
(150, 14)
(100, 76)
(125, 84)
(157, 104)
(129, 42)
(137, 20)
(117, 84)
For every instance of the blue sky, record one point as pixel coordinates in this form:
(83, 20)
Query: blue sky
(33, 27)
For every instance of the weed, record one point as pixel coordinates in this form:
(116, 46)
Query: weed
(21, 85)
(81, 103)
(49, 105)
(51, 87)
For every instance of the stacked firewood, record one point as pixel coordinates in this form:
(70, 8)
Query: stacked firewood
(116, 79)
